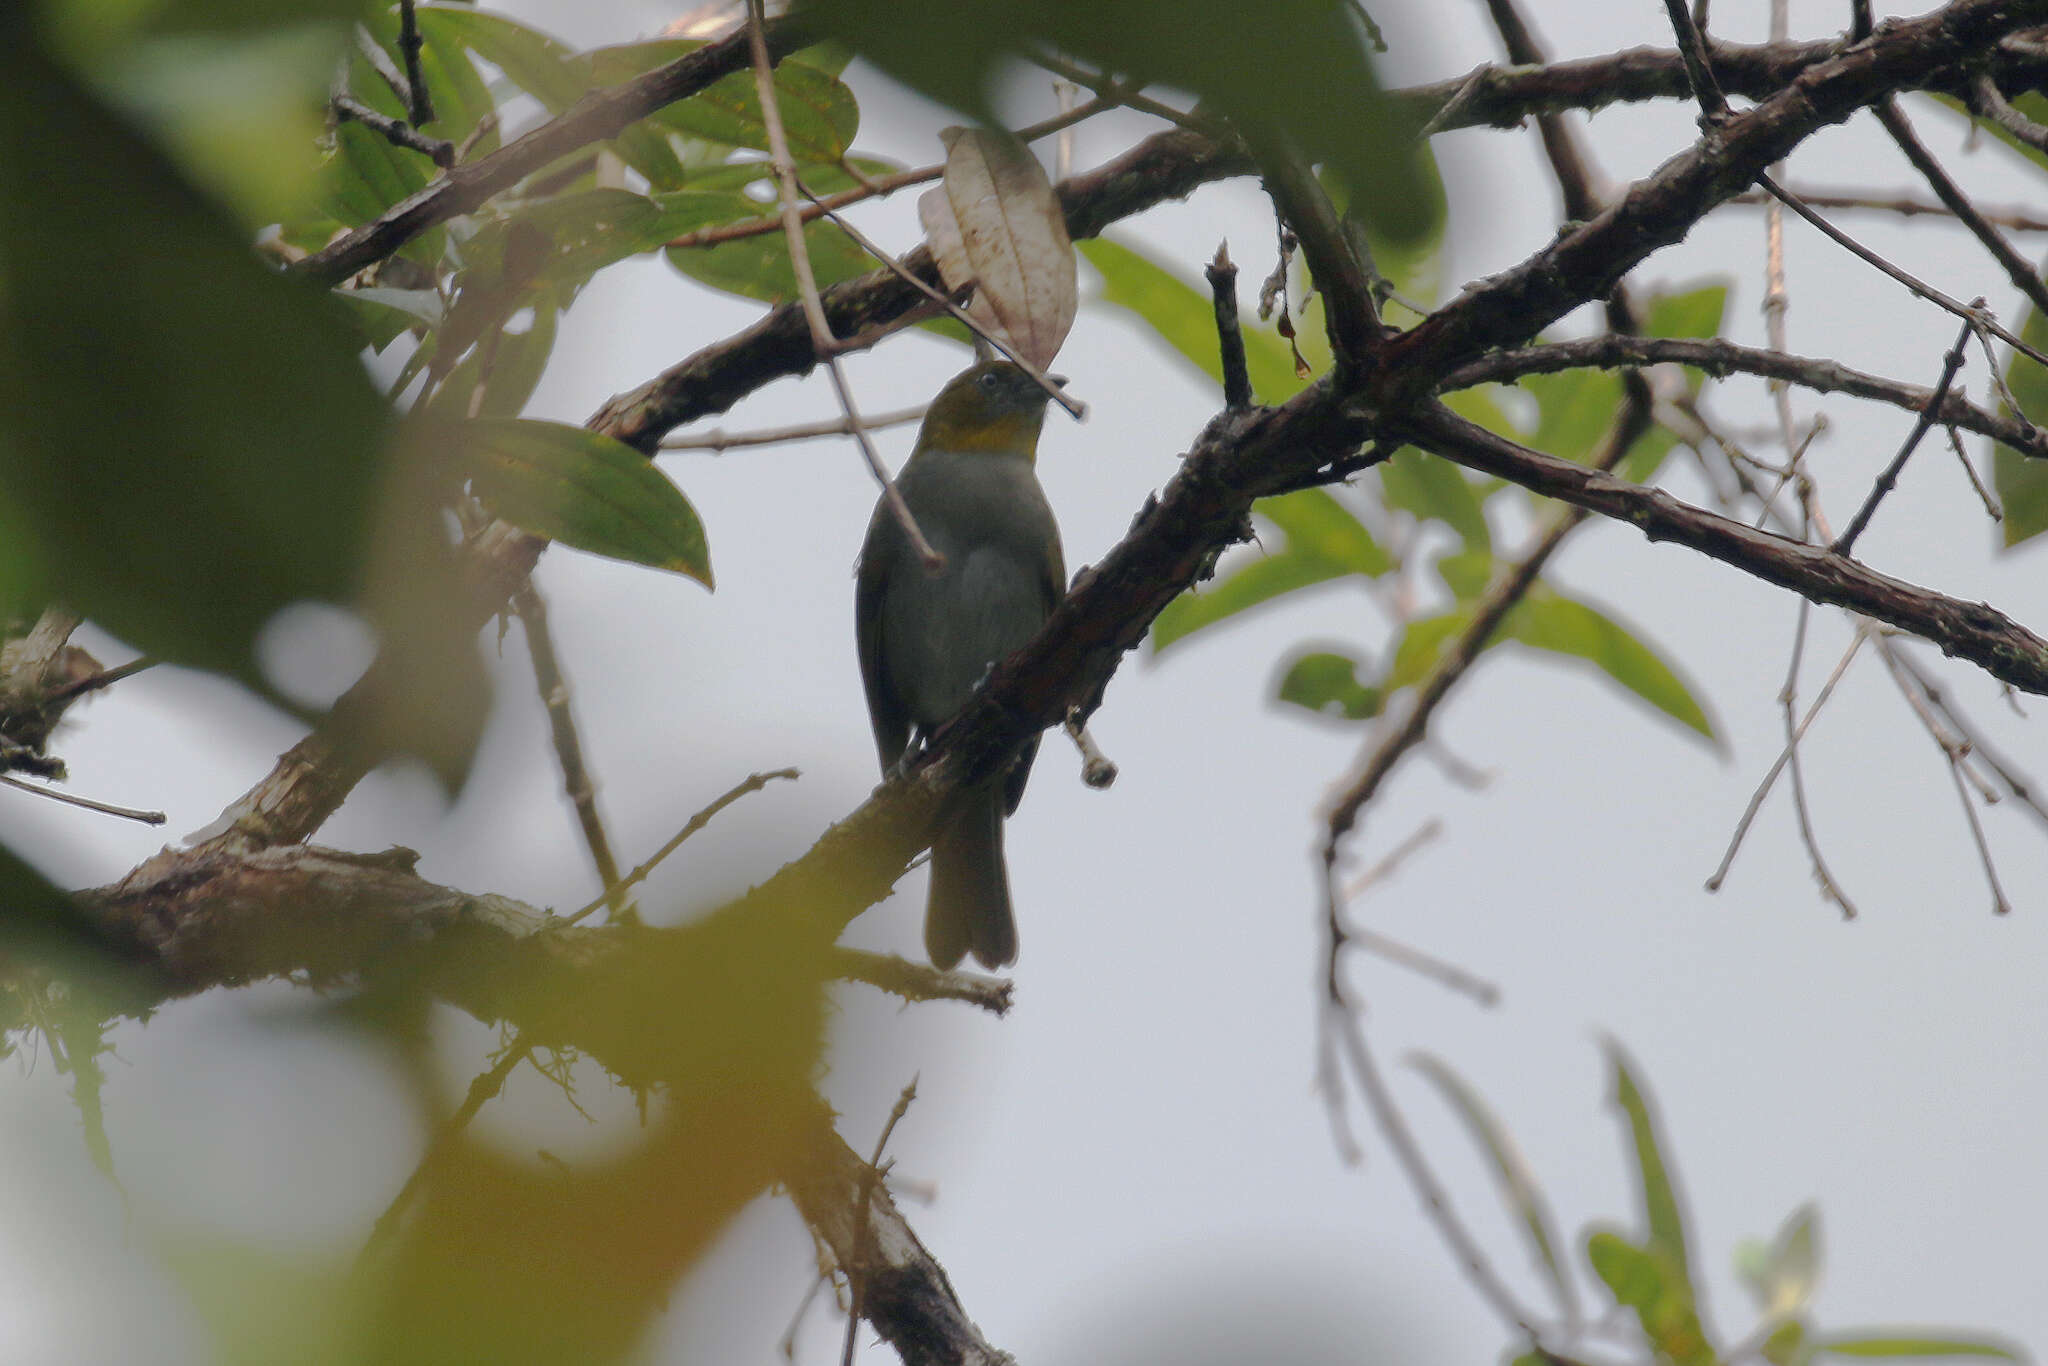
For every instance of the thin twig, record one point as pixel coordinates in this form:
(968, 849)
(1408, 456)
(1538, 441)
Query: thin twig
(482, 1088)
(1889, 479)
(1237, 383)
(753, 782)
(1116, 92)
(862, 1230)
(921, 981)
(1957, 752)
(1902, 204)
(1763, 788)
(532, 611)
(1098, 770)
(1916, 285)
(1699, 73)
(1721, 358)
(1350, 1035)
(718, 439)
(104, 808)
(823, 344)
(1990, 501)
(105, 678)
(1992, 105)
(1423, 834)
(1788, 702)
(395, 131)
(421, 106)
(2024, 276)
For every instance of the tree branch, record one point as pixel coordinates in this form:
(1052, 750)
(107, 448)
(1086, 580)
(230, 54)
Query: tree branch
(597, 116)
(1722, 358)
(1973, 631)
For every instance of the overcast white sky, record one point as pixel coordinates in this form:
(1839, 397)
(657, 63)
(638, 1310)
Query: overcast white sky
(1133, 1166)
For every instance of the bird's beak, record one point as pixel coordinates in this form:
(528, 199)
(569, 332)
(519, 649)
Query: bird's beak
(1059, 381)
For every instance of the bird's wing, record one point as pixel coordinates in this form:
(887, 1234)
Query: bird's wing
(879, 556)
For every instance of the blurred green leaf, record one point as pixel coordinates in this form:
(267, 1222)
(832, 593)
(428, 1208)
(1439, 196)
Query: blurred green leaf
(385, 314)
(1782, 1274)
(1324, 540)
(2021, 481)
(1658, 1193)
(1786, 1345)
(758, 267)
(571, 237)
(1255, 581)
(1316, 524)
(516, 361)
(544, 67)
(1881, 1342)
(1434, 489)
(1574, 410)
(192, 439)
(552, 73)
(1646, 1280)
(585, 490)
(819, 114)
(1695, 312)
(1411, 266)
(1328, 102)
(1547, 620)
(1184, 317)
(1466, 572)
(1512, 1177)
(1327, 683)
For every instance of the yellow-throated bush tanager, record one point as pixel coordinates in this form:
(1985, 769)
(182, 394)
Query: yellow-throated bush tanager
(927, 639)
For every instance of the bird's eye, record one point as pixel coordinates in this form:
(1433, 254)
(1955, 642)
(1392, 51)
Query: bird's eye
(991, 381)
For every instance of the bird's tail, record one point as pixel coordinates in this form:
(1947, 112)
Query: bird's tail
(969, 906)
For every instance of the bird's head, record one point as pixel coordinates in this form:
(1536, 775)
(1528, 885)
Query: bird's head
(993, 407)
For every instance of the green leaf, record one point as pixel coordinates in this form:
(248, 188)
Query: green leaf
(543, 67)
(1324, 541)
(573, 236)
(1434, 489)
(1547, 620)
(1892, 1343)
(1327, 683)
(517, 361)
(819, 114)
(1184, 317)
(585, 490)
(1659, 1195)
(389, 312)
(1422, 644)
(1257, 580)
(192, 438)
(1512, 1177)
(1782, 1275)
(2021, 481)
(1466, 572)
(1575, 408)
(1316, 524)
(1787, 1345)
(1690, 313)
(758, 267)
(1646, 1280)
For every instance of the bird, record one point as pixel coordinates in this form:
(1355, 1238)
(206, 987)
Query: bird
(927, 639)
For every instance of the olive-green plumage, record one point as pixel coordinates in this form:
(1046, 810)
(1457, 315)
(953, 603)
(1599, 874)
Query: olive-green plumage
(927, 639)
